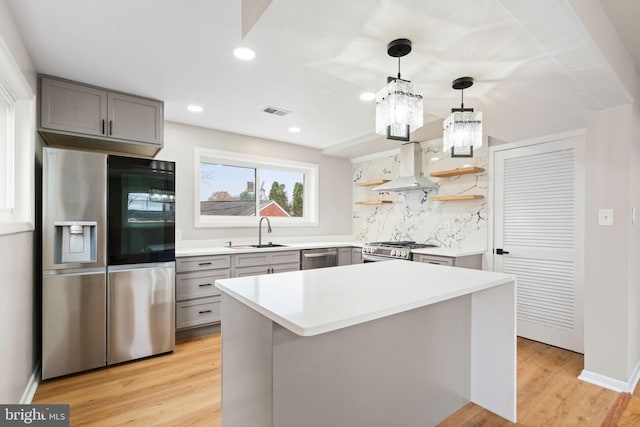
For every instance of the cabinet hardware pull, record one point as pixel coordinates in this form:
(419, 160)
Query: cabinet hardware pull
(110, 127)
(500, 251)
(205, 284)
(433, 262)
(204, 311)
(103, 126)
(204, 263)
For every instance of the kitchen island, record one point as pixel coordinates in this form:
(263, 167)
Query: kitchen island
(377, 344)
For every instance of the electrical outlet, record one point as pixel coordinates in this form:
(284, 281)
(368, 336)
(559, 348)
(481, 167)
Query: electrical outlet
(605, 217)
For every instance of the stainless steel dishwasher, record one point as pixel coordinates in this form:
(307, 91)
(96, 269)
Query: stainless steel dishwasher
(319, 258)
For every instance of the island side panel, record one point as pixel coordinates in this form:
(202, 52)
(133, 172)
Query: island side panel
(408, 369)
(494, 350)
(246, 366)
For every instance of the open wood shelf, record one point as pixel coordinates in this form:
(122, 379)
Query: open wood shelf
(371, 183)
(461, 197)
(374, 202)
(454, 172)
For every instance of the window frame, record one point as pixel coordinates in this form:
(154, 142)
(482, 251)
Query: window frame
(310, 197)
(19, 165)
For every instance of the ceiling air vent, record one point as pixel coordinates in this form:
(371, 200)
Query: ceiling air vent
(275, 110)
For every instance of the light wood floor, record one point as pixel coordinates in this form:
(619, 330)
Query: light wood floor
(183, 389)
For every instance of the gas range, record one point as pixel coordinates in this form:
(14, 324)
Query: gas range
(382, 251)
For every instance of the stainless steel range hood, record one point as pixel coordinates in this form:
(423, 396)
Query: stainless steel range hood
(410, 171)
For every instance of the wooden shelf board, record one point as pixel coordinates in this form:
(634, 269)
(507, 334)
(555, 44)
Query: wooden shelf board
(454, 172)
(374, 202)
(371, 183)
(461, 197)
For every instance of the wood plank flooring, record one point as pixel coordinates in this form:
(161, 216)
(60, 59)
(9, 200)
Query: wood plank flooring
(183, 389)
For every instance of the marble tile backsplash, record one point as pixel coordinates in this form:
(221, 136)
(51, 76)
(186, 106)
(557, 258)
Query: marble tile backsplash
(411, 216)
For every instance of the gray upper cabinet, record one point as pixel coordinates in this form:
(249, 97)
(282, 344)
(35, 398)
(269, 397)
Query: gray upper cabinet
(78, 115)
(73, 108)
(135, 119)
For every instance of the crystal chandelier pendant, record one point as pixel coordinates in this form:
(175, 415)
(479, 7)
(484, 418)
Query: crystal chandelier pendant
(398, 104)
(399, 108)
(462, 130)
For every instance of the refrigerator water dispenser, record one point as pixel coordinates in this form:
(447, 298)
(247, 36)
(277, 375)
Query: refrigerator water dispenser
(75, 241)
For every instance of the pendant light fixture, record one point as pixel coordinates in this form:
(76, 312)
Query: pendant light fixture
(462, 131)
(398, 105)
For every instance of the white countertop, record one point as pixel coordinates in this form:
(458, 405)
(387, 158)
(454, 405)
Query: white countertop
(184, 251)
(312, 302)
(186, 248)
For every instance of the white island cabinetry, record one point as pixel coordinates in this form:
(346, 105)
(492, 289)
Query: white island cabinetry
(320, 347)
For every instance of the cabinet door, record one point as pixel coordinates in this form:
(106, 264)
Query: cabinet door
(135, 119)
(344, 256)
(251, 271)
(281, 268)
(356, 256)
(70, 107)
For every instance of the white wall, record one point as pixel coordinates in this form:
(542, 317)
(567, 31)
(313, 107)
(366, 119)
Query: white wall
(334, 176)
(612, 306)
(19, 328)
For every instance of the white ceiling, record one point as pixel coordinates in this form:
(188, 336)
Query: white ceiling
(537, 69)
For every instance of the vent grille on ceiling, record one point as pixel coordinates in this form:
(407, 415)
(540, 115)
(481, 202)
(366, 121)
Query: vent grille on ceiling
(275, 110)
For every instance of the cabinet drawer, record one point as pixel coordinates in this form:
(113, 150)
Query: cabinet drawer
(198, 312)
(432, 259)
(198, 263)
(199, 284)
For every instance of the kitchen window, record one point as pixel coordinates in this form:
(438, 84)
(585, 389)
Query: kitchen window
(17, 139)
(234, 189)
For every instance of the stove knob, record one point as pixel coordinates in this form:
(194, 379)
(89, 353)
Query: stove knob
(405, 254)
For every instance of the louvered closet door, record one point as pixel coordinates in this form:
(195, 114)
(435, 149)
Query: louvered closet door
(535, 222)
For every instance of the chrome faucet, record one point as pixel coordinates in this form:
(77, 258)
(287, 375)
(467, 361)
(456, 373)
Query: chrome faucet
(260, 229)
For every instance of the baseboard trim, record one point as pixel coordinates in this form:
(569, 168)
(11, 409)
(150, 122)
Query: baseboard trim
(32, 386)
(635, 377)
(604, 381)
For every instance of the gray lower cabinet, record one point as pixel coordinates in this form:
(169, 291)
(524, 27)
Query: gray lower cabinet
(75, 114)
(469, 261)
(344, 256)
(356, 255)
(255, 263)
(197, 298)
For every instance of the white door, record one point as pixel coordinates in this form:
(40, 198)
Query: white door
(536, 205)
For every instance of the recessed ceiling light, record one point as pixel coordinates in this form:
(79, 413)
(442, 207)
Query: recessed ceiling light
(244, 53)
(435, 159)
(294, 129)
(367, 96)
(195, 108)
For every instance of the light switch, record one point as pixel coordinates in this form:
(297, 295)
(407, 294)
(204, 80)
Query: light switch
(633, 215)
(605, 216)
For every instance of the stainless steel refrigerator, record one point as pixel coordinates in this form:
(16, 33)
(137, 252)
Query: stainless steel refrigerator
(97, 312)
